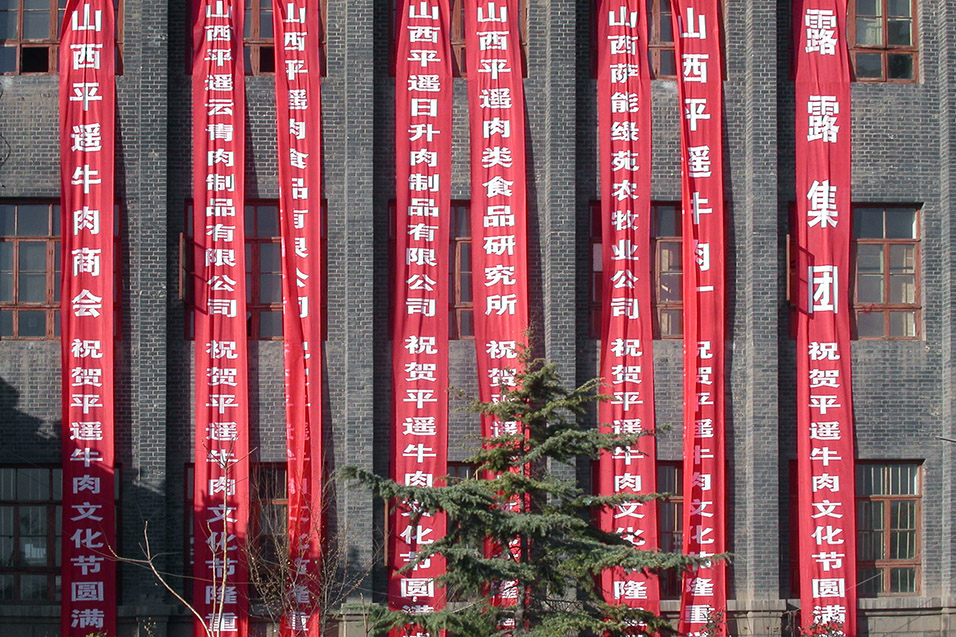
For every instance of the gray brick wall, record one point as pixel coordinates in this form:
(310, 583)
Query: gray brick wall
(904, 391)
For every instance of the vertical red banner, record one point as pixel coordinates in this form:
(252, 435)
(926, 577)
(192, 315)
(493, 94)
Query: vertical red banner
(423, 119)
(627, 358)
(299, 117)
(87, 120)
(700, 98)
(499, 207)
(221, 482)
(825, 464)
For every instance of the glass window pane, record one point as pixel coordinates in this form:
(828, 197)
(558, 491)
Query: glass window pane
(6, 323)
(56, 221)
(247, 30)
(8, 484)
(671, 323)
(869, 65)
(462, 222)
(33, 550)
(869, 7)
(868, 223)
(903, 580)
(33, 588)
(670, 288)
(466, 323)
(667, 27)
(870, 581)
(270, 324)
(903, 324)
(668, 65)
(869, 31)
(32, 257)
(32, 288)
(267, 221)
(33, 484)
(902, 259)
(33, 220)
(265, 25)
(32, 520)
(900, 223)
(902, 288)
(7, 218)
(6, 551)
(270, 288)
(36, 25)
(869, 479)
(34, 5)
(32, 323)
(869, 288)
(668, 223)
(899, 66)
(8, 28)
(898, 32)
(269, 257)
(6, 256)
(8, 54)
(6, 521)
(465, 291)
(900, 8)
(6, 587)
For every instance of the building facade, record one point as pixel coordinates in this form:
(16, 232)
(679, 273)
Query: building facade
(904, 355)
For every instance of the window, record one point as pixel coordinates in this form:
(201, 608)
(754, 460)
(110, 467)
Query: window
(462, 324)
(259, 41)
(30, 33)
(886, 280)
(458, 62)
(670, 512)
(263, 271)
(888, 528)
(31, 533)
(666, 269)
(661, 39)
(29, 270)
(882, 36)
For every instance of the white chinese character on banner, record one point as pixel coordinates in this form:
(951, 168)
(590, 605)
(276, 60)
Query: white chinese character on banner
(825, 431)
(698, 613)
(87, 618)
(86, 304)
(827, 535)
(624, 102)
(695, 109)
(823, 351)
(630, 590)
(822, 207)
(89, 430)
(825, 481)
(823, 281)
(82, 376)
(625, 131)
(424, 83)
(822, 111)
(492, 40)
(501, 304)
(86, 261)
(494, 98)
(829, 560)
(86, 92)
(88, 14)
(494, 67)
(694, 67)
(86, 219)
(86, 177)
(502, 349)
(698, 161)
(821, 31)
(828, 587)
(418, 587)
(87, 138)
(418, 33)
(86, 591)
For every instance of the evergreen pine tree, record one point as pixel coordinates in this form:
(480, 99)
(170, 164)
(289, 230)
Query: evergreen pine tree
(558, 551)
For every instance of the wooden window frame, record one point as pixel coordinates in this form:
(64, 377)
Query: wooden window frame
(460, 309)
(658, 306)
(884, 50)
(51, 303)
(886, 308)
(670, 580)
(886, 565)
(52, 43)
(657, 48)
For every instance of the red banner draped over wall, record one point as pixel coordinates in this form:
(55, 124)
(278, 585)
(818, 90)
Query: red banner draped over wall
(627, 358)
(423, 118)
(498, 206)
(299, 115)
(87, 117)
(700, 98)
(825, 464)
(221, 481)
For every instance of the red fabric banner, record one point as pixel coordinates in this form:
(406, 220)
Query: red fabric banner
(498, 207)
(299, 117)
(423, 118)
(87, 124)
(825, 465)
(700, 97)
(221, 482)
(627, 358)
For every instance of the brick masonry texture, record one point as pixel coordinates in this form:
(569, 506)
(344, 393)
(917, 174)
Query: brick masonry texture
(904, 391)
